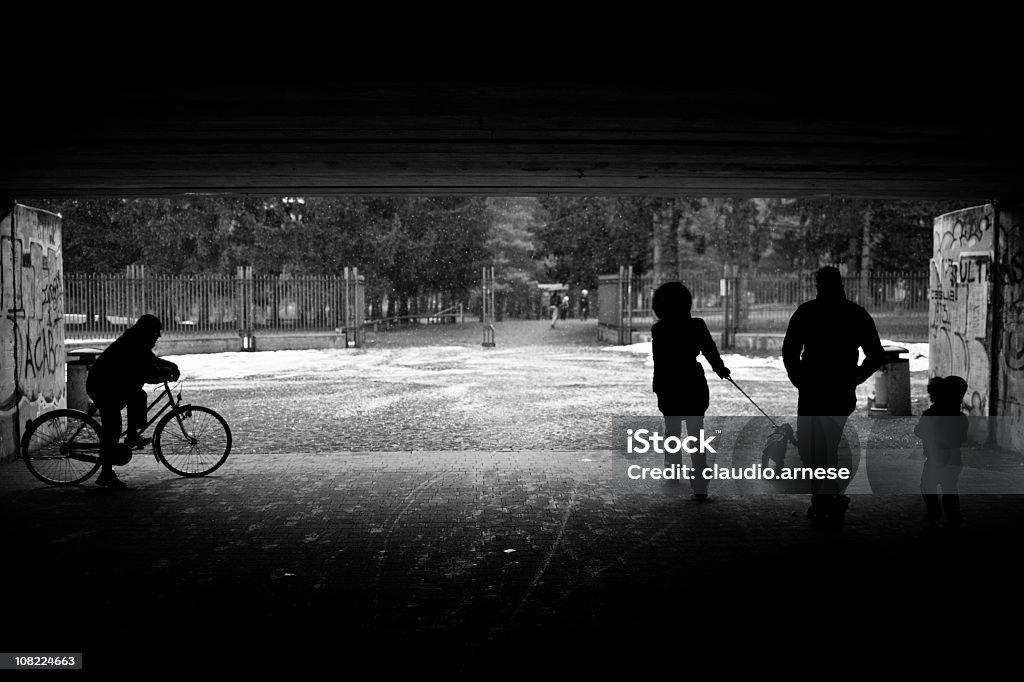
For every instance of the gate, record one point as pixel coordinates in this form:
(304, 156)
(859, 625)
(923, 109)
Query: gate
(246, 304)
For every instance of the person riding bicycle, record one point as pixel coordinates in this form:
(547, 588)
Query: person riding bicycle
(116, 381)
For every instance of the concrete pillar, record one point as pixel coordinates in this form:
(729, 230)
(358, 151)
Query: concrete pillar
(32, 364)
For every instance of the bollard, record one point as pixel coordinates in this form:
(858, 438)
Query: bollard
(892, 384)
(79, 362)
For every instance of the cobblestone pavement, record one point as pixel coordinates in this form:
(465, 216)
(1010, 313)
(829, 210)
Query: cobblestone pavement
(502, 561)
(436, 388)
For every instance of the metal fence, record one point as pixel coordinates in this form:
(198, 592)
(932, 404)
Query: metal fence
(102, 306)
(751, 303)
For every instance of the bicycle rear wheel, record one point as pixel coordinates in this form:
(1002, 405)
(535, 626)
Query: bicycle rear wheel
(192, 441)
(62, 447)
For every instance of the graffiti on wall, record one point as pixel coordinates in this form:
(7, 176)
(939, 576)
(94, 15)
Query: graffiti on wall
(32, 366)
(976, 315)
(960, 290)
(1010, 397)
(1013, 298)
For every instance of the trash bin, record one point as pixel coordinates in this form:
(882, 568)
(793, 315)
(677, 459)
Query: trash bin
(79, 361)
(892, 384)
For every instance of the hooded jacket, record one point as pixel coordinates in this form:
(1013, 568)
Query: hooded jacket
(127, 364)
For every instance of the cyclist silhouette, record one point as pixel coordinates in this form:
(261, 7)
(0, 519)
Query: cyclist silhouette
(116, 382)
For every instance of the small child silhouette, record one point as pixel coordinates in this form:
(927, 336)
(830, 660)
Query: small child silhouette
(942, 428)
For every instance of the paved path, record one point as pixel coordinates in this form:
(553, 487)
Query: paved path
(455, 509)
(488, 562)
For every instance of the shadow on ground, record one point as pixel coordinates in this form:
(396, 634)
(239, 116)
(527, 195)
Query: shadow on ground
(490, 563)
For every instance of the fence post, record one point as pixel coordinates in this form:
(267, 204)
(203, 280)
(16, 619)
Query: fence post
(345, 304)
(359, 310)
(352, 307)
(726, 290)
(250, 303)
(487, 296)
(129, 291)
(738, 294)
(246, 307)
(237, 303)
(620, 305)
(141, 275)
(629, 306)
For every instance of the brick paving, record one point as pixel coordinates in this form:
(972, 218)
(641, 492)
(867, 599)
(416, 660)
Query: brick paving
(470, 559)
(496, 562)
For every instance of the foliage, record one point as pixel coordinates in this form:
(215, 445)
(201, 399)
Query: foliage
(586, 237)
(407, 246)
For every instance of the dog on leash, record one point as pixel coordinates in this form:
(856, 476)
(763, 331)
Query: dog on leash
(775, 446)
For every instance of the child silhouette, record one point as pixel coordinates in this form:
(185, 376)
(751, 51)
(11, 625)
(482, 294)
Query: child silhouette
(682, 390)
(942, 428)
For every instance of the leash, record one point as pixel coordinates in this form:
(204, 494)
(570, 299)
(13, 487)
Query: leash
(730, 380)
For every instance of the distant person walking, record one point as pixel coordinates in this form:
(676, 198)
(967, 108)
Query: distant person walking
(820, 352)
(584, 305)
(683, 395)
(565, 306)
(942, 429)
(553, 308)
(115, 382)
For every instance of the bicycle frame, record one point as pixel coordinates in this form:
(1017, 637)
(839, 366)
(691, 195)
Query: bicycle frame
(169, 404)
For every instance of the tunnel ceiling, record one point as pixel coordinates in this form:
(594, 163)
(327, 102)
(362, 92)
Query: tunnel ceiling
(871, 133)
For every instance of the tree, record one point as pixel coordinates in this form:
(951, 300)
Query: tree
(725, 231)
(512, 246)
(590, 236)
(860, 234)
(95, 237)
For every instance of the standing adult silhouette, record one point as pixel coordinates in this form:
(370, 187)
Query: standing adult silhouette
(676, 340)
(821, 353)
(553, 307)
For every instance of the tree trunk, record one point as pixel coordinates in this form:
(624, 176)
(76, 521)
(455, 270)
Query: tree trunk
(865, 258)
(852, 255)
(671, 241)
(658, 248)
(665, 256)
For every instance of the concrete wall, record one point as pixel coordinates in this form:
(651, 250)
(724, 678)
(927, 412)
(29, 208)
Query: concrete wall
(233, 343)
(1009, 366)
(32, 367)
(959, 319)
(976, 318)
(747, 342)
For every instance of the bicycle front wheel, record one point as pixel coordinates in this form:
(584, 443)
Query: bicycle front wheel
(192, 441)
(62, 447)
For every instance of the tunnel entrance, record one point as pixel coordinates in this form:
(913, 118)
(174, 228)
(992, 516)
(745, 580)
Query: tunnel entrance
(403, 352)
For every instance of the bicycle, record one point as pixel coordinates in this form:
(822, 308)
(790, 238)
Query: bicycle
(62, 447)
